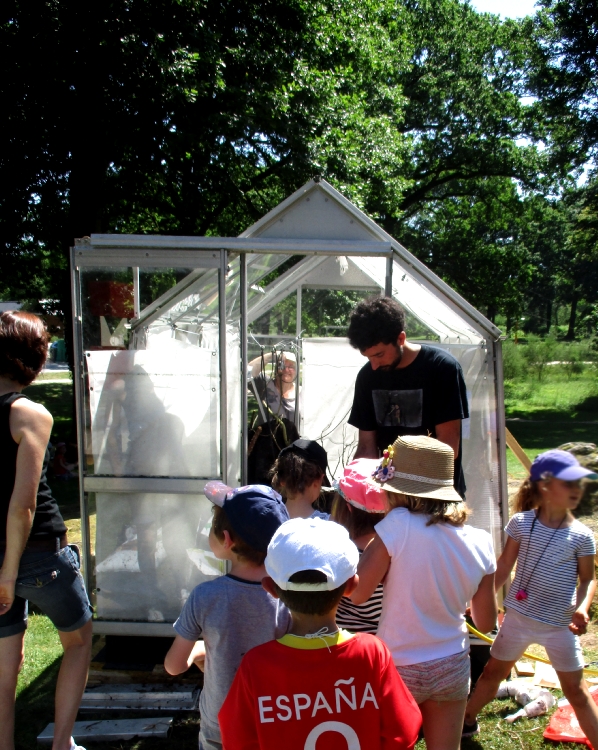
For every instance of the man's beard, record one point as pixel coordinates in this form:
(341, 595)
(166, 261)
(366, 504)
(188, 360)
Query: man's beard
(395, 363)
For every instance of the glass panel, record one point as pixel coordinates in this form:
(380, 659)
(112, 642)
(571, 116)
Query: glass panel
(152, 401)
(151, 550)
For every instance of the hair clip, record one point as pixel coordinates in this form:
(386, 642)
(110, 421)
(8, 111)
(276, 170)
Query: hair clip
(385, 470)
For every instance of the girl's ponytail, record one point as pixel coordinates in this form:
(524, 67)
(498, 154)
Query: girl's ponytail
(527, 496)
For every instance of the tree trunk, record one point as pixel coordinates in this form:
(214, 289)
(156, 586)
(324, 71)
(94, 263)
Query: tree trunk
(572, 315)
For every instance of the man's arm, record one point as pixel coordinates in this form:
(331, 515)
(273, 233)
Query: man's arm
(30, 427)
(450, 433)
(366, 445)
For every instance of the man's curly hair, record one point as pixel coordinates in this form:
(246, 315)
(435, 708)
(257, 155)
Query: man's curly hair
(375, 321)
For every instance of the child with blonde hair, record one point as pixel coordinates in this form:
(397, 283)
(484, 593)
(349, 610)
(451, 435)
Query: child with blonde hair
(433, 566)
(549, 599)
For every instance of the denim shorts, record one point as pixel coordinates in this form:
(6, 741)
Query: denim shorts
(51, 581)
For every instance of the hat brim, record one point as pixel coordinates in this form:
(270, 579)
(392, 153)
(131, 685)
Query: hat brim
(573, 473)
(442, 493)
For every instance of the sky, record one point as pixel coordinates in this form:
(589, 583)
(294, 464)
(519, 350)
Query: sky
(505, 8)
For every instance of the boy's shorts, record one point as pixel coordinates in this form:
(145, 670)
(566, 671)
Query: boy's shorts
(518, 632)
(444, 679)
(51, 581)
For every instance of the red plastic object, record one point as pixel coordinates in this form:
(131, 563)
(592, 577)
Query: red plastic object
(111, 298)
(564, 727)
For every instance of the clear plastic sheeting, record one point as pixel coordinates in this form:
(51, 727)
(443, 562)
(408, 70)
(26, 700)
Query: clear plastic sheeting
(421, 301)
(152, 550)
(330, 367)
(154, 413)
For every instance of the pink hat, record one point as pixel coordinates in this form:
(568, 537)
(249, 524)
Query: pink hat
(357, 488)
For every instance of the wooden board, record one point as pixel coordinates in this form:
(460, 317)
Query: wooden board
(140, 697)
(525, 669)
(112, 729)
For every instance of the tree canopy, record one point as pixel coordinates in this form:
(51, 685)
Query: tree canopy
(461, 134)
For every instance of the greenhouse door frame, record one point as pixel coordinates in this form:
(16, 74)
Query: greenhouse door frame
(139, 251)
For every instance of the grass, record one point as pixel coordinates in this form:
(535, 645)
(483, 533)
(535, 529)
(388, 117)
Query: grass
(542, 414)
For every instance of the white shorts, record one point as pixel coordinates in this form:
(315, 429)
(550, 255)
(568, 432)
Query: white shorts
(518, 632)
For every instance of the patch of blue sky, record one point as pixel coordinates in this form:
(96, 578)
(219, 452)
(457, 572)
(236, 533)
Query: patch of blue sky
(505, 8)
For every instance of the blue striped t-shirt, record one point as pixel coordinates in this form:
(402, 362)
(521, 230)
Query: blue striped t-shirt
(547, 567)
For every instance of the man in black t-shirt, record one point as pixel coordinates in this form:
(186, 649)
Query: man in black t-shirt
(405, 389)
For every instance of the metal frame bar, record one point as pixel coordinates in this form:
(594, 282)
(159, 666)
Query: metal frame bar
(388, 279)
(244, 364)
(161, 485)
(222, 347)
(501, 434)
(182, 245)
(78, 376)
(136, 299)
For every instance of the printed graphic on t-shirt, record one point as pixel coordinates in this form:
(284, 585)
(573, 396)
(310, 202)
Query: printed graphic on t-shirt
(398, 408)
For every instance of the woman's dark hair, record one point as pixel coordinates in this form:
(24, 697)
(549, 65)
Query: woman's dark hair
(357, 521)
(310, 602)
(375, 321)
(23, 346)
(220, 524)
(291, 473)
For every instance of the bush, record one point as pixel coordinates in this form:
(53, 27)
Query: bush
(513, 362)
(539, 352)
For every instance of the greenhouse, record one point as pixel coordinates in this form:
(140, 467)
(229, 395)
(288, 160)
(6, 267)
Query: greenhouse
(165, 330)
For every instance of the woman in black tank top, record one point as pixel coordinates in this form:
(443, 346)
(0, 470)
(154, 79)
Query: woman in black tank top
(35, 561)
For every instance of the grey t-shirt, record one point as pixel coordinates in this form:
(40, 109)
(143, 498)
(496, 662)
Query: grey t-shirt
(232, 616)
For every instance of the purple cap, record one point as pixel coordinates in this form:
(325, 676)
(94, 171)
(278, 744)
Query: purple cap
(560, 465)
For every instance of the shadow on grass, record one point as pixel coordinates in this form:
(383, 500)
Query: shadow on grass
(542, 429)
(35, 707)
(58, 400)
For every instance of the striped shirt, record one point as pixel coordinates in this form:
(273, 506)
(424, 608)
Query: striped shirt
(361, 618)
(547, 567)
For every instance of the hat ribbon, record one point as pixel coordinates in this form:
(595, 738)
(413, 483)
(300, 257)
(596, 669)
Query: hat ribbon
(425, 480)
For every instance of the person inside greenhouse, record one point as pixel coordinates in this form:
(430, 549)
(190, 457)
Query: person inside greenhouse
(274, 375)
(405, 388)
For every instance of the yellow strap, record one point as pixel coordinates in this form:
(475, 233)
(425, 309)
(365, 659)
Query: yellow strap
(527, 654)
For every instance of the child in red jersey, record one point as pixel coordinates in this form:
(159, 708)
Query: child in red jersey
(317, 680)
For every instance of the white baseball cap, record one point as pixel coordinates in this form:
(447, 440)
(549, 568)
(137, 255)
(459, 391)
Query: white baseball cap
(311, 544)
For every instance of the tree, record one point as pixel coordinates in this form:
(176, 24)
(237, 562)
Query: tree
(564, 77)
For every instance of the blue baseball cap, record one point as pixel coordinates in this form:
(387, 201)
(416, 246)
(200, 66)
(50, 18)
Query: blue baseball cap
(255, 512)
(559, 464)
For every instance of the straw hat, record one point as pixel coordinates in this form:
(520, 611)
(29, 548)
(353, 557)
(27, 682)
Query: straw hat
(420, 466)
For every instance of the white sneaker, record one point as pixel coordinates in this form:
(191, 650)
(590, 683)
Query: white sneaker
(74, 746)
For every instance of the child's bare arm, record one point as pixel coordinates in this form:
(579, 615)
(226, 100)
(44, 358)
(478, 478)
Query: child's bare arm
(505, 563)
(182, 654)
(372, 568)
(585, 594)
(483, 605)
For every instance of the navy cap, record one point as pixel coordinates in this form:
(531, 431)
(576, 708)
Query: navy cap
(255, 512)
(310, 450)
(559, 464)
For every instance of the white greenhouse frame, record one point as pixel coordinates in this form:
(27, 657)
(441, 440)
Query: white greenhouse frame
(215, 301)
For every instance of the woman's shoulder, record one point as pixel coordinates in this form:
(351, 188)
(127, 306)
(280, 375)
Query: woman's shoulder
(25, 413)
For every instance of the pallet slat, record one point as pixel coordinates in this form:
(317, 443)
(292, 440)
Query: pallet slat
(112, 729)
